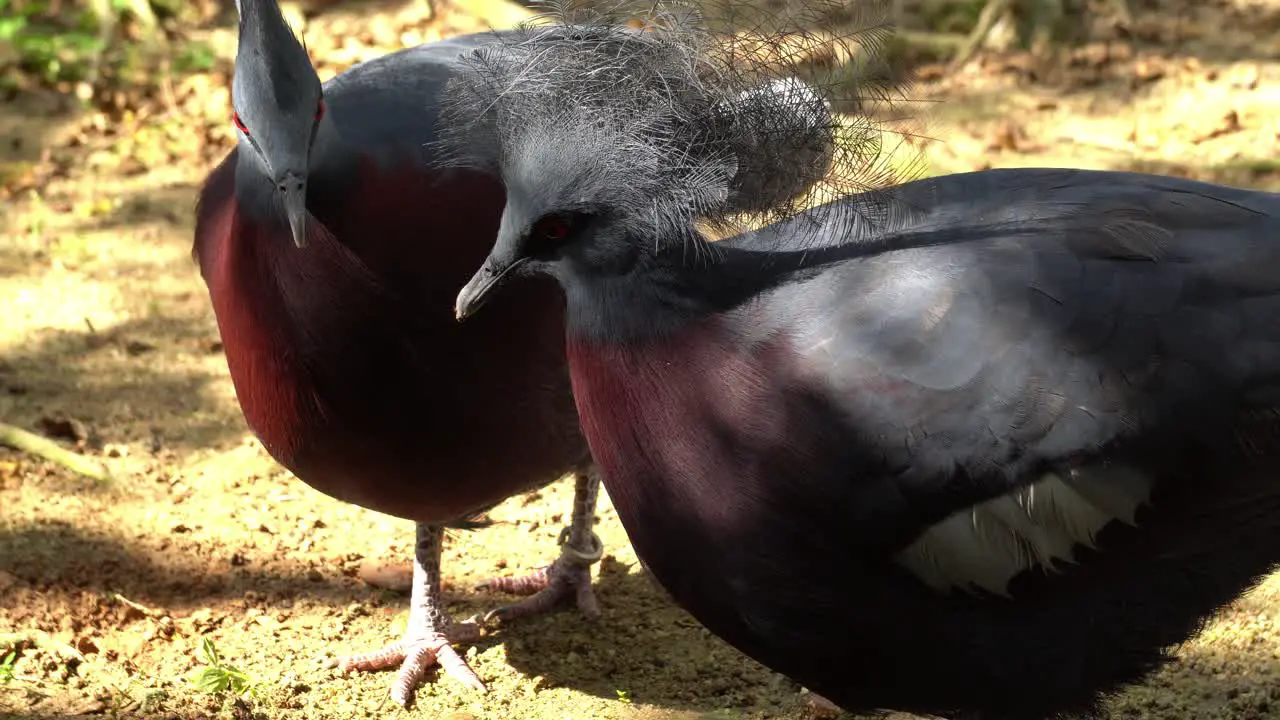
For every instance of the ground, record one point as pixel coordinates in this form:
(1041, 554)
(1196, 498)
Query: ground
(108, 589)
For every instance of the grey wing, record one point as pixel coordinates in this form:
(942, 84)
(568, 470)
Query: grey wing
(395, 99)
(1061, 316)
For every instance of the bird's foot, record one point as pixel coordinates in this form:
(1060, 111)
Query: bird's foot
(569, 576)
(415, 654)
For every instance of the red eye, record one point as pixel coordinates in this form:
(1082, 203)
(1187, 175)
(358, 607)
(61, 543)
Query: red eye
(320, 110)
(555, 227)
(235, 118)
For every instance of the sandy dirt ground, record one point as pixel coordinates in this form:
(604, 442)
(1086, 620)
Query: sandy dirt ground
(107, 341)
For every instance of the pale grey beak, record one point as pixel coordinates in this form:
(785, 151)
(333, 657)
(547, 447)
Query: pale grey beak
(292, 187)
(487, 279)
(506, 256)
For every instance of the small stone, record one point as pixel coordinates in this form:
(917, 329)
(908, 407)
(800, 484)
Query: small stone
(397, 577)
(91, 706)
(820, 708)
(137, 347)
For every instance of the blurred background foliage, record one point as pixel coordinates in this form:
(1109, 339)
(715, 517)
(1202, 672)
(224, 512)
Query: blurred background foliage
(77, 45)
(88, 47)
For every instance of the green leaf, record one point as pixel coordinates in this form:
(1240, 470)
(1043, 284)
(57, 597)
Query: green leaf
(6, 666)
(11, 26)
(209, 651)
(237, 681)
(196, 58)
(81, 42)
(211, 680)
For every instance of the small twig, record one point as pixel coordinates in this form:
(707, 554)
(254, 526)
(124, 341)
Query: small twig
(1122, 11)
(145, 16)
(1126, 148)
(106, 17)
(43, 447)
(940, 43)
(166, 83)
(991, 12)
(149, 612)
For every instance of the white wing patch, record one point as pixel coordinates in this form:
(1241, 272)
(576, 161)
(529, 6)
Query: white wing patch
(1035, 526)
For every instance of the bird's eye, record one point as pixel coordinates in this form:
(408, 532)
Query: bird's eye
(553, 227)
(319, 109)
(235, 118)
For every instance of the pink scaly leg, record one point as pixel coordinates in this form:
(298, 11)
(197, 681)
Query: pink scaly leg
(570, 575)
(431, 632)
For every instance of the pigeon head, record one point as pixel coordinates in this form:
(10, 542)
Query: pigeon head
(616, 143)
(278, 106)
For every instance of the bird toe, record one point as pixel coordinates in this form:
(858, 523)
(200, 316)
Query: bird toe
(423, 653)
(534, 582)
(381, 659)
(415, 656)
(548, 588)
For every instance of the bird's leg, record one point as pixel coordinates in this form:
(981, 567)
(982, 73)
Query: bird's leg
(570, 575)
(428, 639)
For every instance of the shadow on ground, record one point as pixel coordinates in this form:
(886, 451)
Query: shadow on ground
(145, 380)
(171, 203)
(30, 123)
(60, 562)
(643, 648)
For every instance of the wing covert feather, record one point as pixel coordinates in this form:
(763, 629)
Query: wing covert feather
(1046, 326)
(1078, 318)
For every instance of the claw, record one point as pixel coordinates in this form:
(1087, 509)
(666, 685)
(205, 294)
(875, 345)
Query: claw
(415, 656)
(569, 575)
